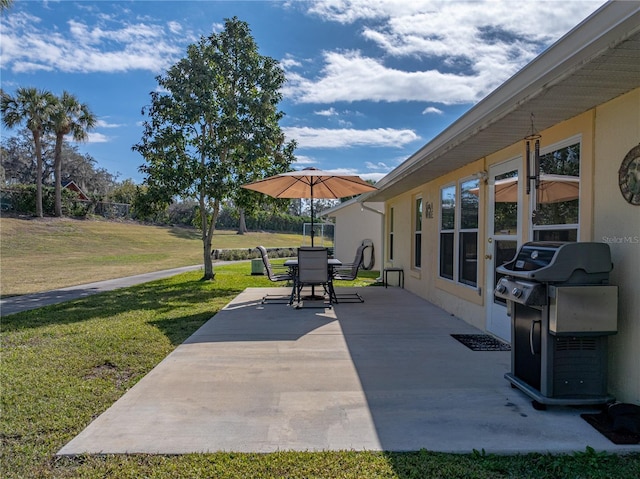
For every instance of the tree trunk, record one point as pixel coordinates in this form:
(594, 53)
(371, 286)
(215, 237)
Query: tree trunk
(36, 141)
(242, 225)
(57, 173)
(208, 261)
(208, 228)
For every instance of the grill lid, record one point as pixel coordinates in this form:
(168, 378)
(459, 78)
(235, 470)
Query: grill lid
(548, 261)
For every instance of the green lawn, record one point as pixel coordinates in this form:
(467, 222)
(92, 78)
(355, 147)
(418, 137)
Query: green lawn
(64, 365)
(50, 253)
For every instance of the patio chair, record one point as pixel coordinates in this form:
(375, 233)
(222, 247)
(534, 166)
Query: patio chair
(349, 272)
(313, 270)
(276, 275)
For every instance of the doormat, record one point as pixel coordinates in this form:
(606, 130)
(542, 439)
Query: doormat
(603, 424)
(481, 342)
(620, 423)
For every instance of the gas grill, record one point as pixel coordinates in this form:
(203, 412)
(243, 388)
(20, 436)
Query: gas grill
(562, 310)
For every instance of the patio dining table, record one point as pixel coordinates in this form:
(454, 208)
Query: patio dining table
(292, 264)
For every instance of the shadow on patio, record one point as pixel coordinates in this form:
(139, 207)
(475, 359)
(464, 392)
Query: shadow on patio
(381, 375)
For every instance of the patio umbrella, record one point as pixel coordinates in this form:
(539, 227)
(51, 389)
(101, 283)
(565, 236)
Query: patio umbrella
(552, 189)
(311, 183)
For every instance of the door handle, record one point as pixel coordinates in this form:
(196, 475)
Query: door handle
(531, 345)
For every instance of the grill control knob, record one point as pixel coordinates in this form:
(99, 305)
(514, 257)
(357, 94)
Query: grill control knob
(501, 288)
(517, 292)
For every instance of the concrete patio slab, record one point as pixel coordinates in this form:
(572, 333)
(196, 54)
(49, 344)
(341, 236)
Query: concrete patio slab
(381, 375)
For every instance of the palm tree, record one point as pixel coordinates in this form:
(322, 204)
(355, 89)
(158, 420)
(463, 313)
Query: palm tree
(69, 117)
(32, 107)
(5, 4)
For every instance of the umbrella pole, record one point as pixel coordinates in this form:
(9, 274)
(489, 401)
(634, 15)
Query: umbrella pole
(312, 213)
(313, 286)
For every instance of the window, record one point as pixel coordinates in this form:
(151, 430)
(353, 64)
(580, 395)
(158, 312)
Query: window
(468, 233)
(447, 230)
(459, 232)
(557, 202)
(391, 234)
(417, 235)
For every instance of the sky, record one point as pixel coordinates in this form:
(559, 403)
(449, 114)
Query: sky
(368, 82)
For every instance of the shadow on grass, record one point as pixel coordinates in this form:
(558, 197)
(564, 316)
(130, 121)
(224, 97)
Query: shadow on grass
(178, 329)
(160, 298)
(184, 232)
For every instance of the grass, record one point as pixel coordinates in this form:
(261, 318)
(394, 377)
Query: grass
(43, 254)
(64, 365)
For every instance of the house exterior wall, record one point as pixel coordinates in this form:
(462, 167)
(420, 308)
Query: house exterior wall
(606, 134)
(618, 223)
(353, 223)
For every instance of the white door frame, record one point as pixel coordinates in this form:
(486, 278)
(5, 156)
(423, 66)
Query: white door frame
(497, 320)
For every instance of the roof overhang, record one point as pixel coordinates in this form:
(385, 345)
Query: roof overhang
(595, 62)
(358, 200)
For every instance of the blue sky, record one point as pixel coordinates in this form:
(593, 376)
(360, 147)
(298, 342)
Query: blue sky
(369, 82)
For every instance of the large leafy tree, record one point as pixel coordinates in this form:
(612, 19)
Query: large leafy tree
(68, 116)
(213, 125)
(33, 108)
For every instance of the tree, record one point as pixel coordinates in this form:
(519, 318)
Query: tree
(124, 192)
(19, 162)
(5, 4)
(33, 108)
(213, 125)
(18, 158)
(69, 116)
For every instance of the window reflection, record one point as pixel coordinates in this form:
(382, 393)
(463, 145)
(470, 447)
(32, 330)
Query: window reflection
(557, 209)
(506, 203)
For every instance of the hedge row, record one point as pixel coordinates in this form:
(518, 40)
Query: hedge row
(231, 254)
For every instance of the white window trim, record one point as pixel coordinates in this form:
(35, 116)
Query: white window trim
(572, 140)
(415, 231)
(453, 231)
(457, 230)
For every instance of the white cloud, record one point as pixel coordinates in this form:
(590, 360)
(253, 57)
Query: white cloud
(104, 47)
(432, 109)
(379, 166)
(375, 177)
(329, 112)
(344, 138)
(304, 160)
(353, 77)
(470, 48)
(174, 27)
(104, 124)
(94, 137)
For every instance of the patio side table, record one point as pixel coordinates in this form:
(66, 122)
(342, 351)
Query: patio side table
(400, 272)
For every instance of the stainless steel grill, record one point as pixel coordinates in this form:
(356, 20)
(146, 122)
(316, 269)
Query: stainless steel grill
(562, 311)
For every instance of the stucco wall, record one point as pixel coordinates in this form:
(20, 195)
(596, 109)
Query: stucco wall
(353, 223)
(618, 223)
(606, 134)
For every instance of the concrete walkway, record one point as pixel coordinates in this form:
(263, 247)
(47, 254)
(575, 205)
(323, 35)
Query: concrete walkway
(382, 375)
(17, 304)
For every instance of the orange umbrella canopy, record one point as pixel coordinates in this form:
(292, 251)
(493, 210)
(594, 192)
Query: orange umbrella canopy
(311, 183)
(552, 189)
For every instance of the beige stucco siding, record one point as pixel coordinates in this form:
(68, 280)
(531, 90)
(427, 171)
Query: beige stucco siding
(354, 223)
(618, 223)
(606, 135)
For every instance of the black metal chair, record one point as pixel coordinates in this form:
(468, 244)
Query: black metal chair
(349, 272)
(313, 270)
(281, 274)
